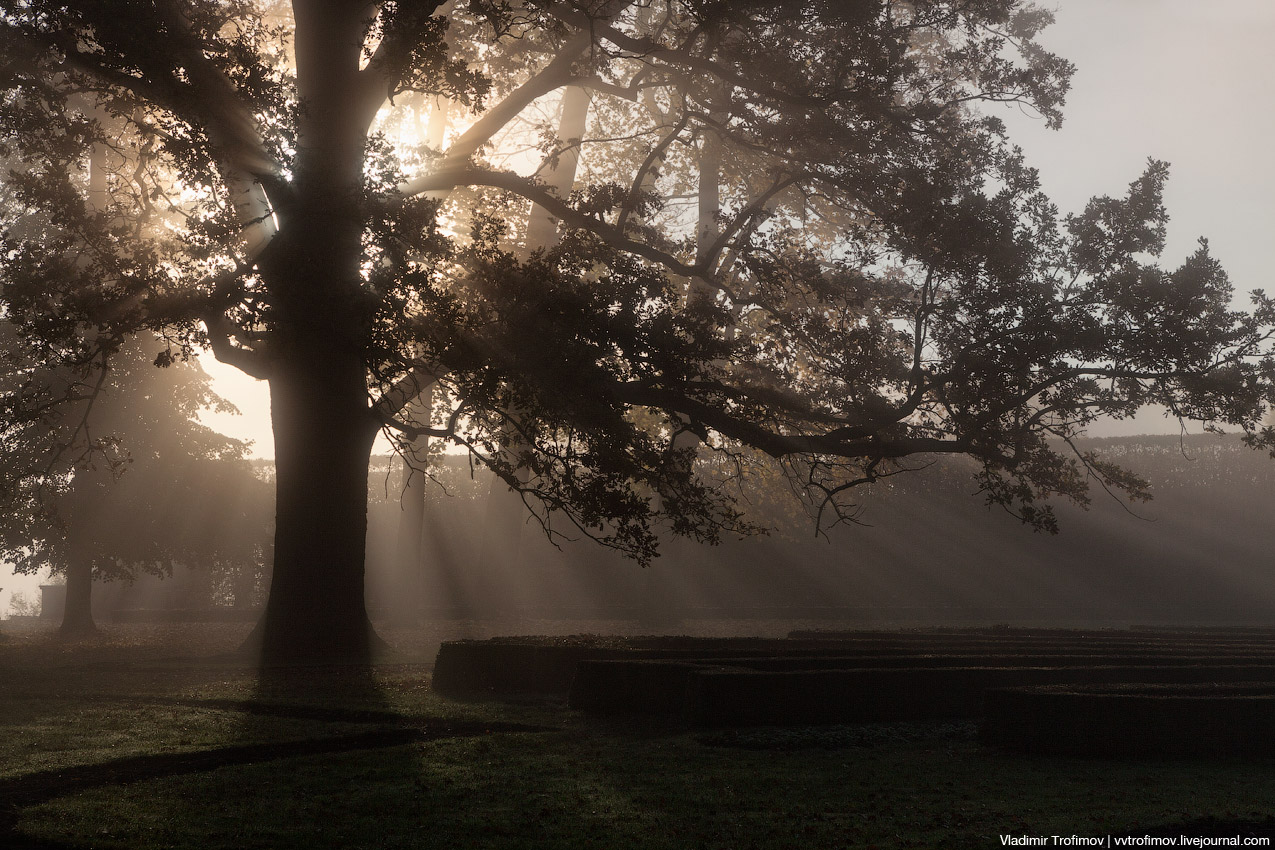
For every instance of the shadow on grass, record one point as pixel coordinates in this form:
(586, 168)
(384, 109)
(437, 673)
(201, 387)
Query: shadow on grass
(341, 709)
(619, 786)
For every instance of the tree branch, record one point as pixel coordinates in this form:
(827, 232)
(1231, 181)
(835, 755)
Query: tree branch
(554, 75)
(404, 391)
(780, 445)
(249, 361)
(388, 64)
(640, 178)
(532, 191)
(647, 48)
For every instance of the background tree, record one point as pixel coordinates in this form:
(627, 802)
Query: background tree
(884, 278)
(126, 481)
(84, 405)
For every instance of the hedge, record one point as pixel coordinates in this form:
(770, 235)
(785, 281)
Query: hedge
(1212, 719)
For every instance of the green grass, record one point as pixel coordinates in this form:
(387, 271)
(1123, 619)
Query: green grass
(582, 783)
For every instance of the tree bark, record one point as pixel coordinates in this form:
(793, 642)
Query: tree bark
(323, 441)
(77, 609)
(409, 553)
(77, 612)
(405, 602)
(323, 426)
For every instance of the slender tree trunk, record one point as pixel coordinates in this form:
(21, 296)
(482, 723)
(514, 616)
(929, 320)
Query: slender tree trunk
(542, 226)
(77, 613)
(409, 555)
(244, 585)
(405, 602)
(500, 551)
(709, 204)
(506, 515)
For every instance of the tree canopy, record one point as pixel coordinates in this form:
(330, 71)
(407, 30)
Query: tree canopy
(796, 231)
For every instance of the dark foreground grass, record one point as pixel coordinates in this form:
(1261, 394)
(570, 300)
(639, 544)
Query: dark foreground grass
(116, 755)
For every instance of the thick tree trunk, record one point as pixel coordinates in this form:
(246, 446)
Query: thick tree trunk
(323, 427)
(323, 439)
(77, 613)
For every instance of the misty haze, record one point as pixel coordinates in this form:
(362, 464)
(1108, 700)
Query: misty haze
(660, 424)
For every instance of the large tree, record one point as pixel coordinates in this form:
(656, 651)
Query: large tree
(796, 232)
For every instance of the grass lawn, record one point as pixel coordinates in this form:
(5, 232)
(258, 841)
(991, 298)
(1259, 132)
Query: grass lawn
(135, 740)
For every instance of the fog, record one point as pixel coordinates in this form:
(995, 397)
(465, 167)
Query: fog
(924, 551)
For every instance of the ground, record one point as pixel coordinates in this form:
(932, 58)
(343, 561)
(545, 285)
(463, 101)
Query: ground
(155, 736)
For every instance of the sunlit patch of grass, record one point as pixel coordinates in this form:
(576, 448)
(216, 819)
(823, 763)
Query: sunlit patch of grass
(71, 733)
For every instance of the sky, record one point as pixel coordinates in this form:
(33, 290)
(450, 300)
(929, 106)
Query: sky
(1179, 80)
(1182, 81)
